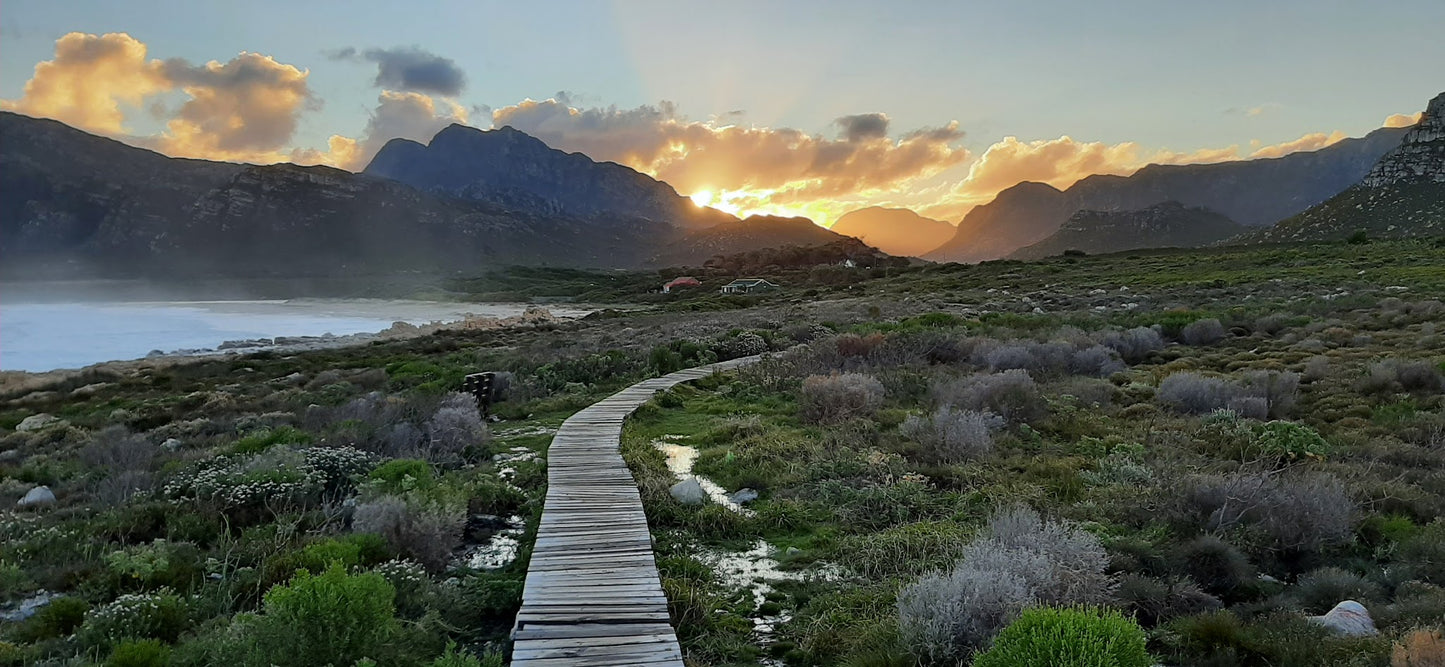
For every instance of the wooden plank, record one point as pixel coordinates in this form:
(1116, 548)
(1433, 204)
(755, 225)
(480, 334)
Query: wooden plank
(593, 596)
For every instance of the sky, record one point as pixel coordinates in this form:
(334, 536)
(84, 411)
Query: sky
(807, 108)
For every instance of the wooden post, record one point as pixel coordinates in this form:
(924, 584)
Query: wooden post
(479, 385)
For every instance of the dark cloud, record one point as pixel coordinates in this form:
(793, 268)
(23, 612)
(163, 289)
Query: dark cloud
(348, 53)
(413, 69)
(864, 126)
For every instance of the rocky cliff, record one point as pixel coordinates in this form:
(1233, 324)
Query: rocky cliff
(1402, 195)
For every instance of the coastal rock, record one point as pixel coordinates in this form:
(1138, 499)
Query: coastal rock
(39, 496)
(688, 492)
(89, 390)
(11, 456)
(1348, 618)
(38, 422)
(27, 607)
(172, 445)
(743, 496)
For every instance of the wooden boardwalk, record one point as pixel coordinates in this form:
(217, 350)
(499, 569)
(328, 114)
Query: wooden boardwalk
(593, 596)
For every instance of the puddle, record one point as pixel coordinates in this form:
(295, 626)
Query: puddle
(680, 459)
(505, 460)
(499, 548)
(755, 571)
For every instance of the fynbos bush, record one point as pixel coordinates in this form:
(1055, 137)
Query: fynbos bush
(833, 398)
(1069, 637)
(1192, 393)
(1300, 512)
(456, 425)
(425, 529)
(953, 436)
(1020, 560)
(1133, 345)
(1011, 394)
(1202, 332)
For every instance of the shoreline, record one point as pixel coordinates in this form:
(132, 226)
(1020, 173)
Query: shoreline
(17, 384)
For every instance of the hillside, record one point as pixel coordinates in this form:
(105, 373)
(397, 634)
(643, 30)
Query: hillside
(1250, 192)
(1167, 225)
(1403, 194)
(896, 231)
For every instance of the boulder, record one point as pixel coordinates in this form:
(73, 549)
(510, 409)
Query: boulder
(688, 492)
(11, 456)
(743, 496)
(39, 496)
(1348, 618)
(37, 422)
(172, 445)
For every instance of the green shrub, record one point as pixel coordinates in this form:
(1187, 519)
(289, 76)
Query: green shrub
(1068, 637)
(57, 619)
(329, 618)
(140, 653)
(1320, 590)
(456, 658)
(1214, 564)
(403, 474)
(1290, 441)
(1424, 554)
(161, 615)
(259, 441)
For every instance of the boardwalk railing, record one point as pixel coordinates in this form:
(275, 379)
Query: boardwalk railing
(592, 595)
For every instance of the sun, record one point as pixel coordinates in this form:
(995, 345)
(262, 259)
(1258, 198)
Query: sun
(703, 197)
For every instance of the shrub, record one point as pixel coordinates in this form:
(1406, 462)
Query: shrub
(1011, 394)
(1419, 376)
(1133, 345)
(140, 653)
(1289, 441)
(1068, 637)
(1214, 564)
(453, 657)
(829, 399)
(1316, 369)
(1302, 512)
(160, 616)
(1249, 407)
(260, 441)
(1319, 591)
(1424, 554)
(1419, 648)
(1202, 332)
(1097, 361)
(329, 618)
(57, 619)
(953, 436)
(425, 529)
(1154, 601)
(1279, 390)
(403, 474)
(455, 426)
(1020, 560)
(1192, 393)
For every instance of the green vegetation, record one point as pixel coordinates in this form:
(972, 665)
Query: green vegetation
(1212, 444)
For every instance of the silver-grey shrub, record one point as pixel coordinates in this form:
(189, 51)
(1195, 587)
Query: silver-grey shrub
(1202, 332)
(953, 436)
(1195, 394)
(456, 425)
(426, 530)
(1011, 394)
(1020, 560)
(1302, 512)
(834, 398)
(1096, 361)
(1133, 345)
(1278, 390)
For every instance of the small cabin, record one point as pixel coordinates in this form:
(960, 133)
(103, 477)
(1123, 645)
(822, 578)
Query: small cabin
(748, 286)
(679, 283)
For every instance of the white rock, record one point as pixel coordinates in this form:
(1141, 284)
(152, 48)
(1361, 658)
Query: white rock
(1348, 618)
(172, 445)
(37, 497)
(743, 496)
(37, 422)
(689, 492)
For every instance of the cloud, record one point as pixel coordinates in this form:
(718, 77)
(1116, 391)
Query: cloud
(863, 127)
(410, 69)
(1403, 119)
(398, 115)
(244, 109)
(696, 156)
(1308, 142)
(89, 79)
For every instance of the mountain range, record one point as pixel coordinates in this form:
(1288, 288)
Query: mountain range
(1249, 192)
(896, 231)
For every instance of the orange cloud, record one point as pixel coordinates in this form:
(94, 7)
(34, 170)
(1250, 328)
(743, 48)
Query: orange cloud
(1309, 142)
(89, 79)
(757, 165)
(1404, 119)
(244, 109)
